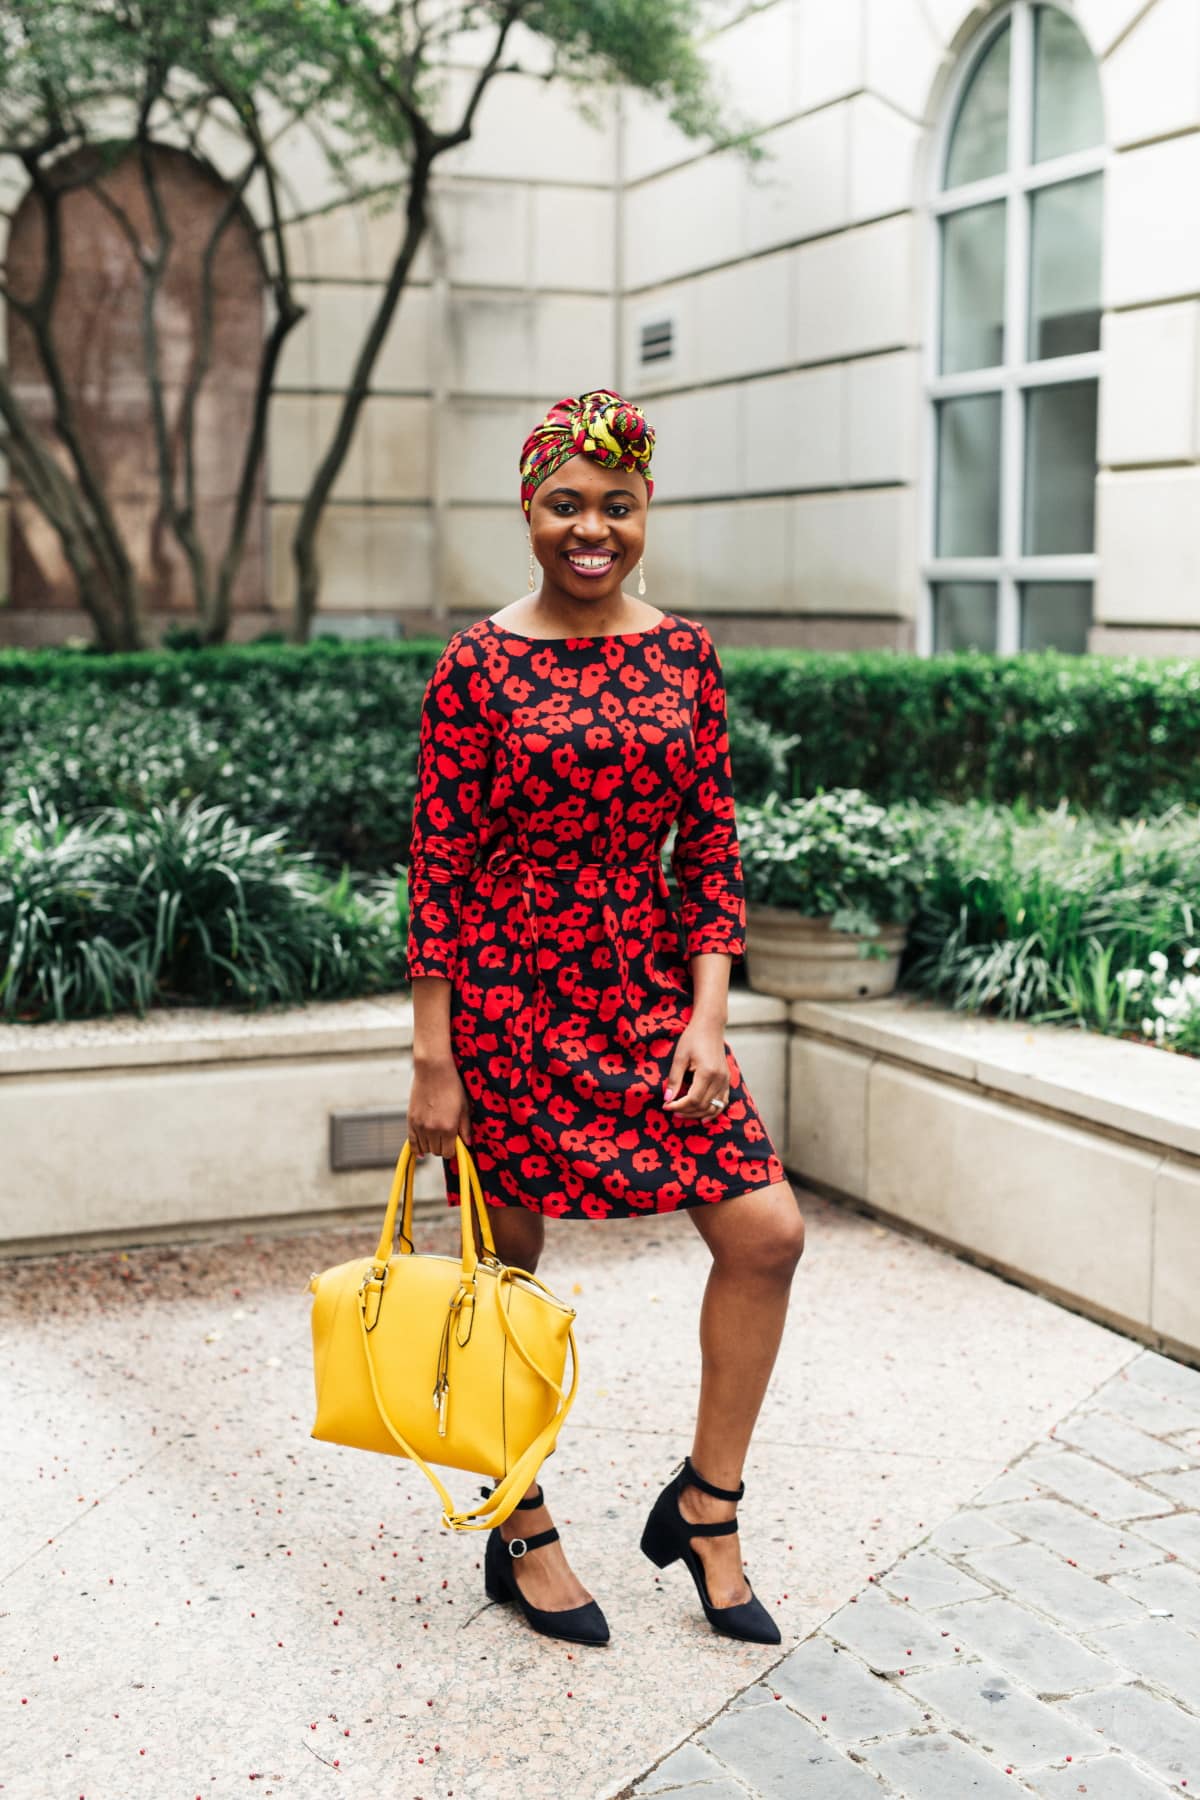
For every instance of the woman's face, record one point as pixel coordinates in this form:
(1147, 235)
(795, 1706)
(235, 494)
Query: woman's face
(588, 526)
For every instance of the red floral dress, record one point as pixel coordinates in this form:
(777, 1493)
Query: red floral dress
(550, 773)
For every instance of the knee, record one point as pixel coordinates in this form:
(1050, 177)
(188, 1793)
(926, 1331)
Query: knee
(772, 1251)
(785, 1246)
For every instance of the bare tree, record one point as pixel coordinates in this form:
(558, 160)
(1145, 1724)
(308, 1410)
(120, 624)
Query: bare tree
(88, 87)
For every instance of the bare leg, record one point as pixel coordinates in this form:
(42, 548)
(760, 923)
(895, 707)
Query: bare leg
(544, 1575)
(756, 1241)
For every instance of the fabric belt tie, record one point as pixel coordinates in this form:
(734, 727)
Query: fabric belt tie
(529, 869)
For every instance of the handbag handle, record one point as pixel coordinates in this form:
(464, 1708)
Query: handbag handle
(504, 1496)
(471, 1204)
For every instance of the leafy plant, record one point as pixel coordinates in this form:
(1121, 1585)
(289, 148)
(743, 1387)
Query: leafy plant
(835, 855)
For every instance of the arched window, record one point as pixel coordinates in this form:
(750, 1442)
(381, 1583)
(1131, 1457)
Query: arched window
(1014, 353)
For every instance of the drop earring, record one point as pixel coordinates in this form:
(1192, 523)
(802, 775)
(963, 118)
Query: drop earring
(531, 563)
(641, 576)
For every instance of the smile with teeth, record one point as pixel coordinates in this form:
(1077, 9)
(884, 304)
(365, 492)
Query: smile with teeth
(591, 562)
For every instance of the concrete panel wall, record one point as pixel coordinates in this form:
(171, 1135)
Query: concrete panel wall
(790, 412)
(797, 291)
(512, 305)
(955, 1134)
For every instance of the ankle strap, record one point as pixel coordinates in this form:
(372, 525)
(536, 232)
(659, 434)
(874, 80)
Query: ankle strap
(692, 1478)
(530, 1504)
(519, 1547)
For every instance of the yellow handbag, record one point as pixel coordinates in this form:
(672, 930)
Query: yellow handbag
(455, 1361)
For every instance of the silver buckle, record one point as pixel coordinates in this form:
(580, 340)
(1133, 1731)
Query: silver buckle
(513, 1551)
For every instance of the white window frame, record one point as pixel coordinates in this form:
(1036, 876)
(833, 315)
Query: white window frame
(1014, 376)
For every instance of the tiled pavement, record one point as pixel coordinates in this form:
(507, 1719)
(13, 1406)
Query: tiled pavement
(1044, 1640)
(199, 1599)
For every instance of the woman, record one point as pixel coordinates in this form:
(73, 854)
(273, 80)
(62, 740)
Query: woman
(567, 1025)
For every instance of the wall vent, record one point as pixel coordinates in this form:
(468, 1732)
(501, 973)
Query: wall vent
(658, 340)
(366, 1140)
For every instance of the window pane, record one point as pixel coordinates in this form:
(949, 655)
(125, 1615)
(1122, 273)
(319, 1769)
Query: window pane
(979, 139)
(1055, 615)
(1060, 468)
(968, 500)
(1064, 300)
(964, 616)
(1067, 113)
(973, 288)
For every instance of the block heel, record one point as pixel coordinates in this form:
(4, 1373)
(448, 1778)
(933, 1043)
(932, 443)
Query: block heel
(666, 1539)
(658, 1541)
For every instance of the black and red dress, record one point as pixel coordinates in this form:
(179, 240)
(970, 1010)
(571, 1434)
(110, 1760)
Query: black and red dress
(550, 773)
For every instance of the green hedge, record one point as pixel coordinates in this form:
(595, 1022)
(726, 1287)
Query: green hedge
(321, 739)
(1117, 735)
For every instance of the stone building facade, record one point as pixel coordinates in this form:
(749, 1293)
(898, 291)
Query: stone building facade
(928, 375)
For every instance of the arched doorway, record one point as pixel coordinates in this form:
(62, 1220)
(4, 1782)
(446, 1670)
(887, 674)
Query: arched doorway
(100, 345)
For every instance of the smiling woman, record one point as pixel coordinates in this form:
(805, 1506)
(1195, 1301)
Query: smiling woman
(568, 1025)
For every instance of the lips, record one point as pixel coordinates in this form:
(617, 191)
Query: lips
(591, 562)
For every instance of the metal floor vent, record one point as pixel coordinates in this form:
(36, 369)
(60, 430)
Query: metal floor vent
(366, 1140)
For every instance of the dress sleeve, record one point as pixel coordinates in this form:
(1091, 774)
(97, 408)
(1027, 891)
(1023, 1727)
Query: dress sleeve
(449, 811)
(705, 857)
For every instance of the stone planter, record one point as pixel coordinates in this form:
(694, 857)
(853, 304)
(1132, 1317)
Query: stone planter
(806, 959)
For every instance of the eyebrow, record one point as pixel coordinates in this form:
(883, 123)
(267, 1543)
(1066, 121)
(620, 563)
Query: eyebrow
(576, 495)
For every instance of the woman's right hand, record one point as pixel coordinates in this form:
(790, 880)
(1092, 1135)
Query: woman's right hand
(437, 1108)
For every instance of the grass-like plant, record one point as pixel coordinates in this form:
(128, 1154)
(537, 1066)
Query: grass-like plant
(180, 904)
(1042, 914)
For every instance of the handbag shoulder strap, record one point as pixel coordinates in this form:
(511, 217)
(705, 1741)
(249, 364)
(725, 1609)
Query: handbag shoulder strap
(503, 1498)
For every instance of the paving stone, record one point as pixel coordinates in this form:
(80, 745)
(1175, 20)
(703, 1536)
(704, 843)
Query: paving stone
(1156, 1731)
(1179, 1533)
(1091, 1486)
(686, 1768)
(1156, 1413)
(753, 1696)
(1159, 1651)
(725, 1789)
(1012, 1485)
(1163, 1375)
(1043, 1657)
(1098, 1548)
(968, 1531)
(1106, 1778)
(1001, 1717)
(1044, 1580)
(833, 1689)
(925, 1580)
(779, 1757)
(1167, 1587)
(1183, 1489)
(936, 1766)
(884, 1631)
(1121, 1445)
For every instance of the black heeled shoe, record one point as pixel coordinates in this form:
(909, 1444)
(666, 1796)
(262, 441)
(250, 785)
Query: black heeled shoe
(665, 1540)
(577, 1624)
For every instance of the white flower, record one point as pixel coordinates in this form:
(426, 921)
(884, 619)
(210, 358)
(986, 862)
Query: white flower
(1158, 961)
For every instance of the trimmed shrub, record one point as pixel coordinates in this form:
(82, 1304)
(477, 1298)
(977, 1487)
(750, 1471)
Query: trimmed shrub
(321, 740)
(1113, 734)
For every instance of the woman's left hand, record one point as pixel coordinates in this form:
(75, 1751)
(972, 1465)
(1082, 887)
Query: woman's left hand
(701, 1048)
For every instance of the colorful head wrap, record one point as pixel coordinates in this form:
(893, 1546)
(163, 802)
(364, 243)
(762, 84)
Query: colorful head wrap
(599, 424)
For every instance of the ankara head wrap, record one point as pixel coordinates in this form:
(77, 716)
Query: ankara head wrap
(612, 431)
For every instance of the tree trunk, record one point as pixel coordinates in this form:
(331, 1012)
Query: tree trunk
(304, 543)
